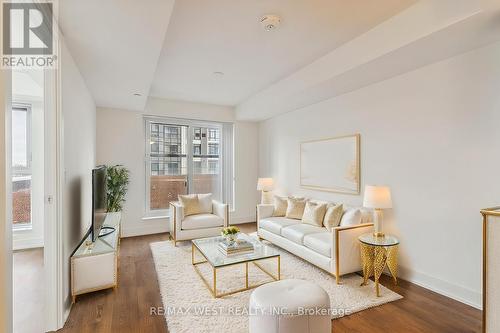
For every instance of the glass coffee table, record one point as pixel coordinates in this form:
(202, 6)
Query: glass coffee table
(208, 248)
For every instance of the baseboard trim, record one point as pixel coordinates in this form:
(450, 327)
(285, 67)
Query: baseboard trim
(144, 229)
(29, 243)
(445, 288)
(241, 220)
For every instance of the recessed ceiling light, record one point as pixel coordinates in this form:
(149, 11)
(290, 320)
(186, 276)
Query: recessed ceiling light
(137, 94)
(218, 73)
(270, 22)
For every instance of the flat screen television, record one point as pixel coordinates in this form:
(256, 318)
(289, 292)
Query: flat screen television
(99, 200)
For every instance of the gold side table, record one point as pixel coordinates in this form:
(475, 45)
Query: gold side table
(377, 252)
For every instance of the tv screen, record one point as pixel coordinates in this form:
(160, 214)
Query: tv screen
(99, 200)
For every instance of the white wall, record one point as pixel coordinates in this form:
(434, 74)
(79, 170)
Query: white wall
(120, 140)
(432, 136)
(79, 123)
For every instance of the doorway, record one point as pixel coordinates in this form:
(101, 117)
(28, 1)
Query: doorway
(27, 171)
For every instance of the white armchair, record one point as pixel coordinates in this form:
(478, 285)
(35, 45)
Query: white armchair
(184, 228)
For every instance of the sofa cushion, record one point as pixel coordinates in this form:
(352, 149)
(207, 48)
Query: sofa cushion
(275, 224)
(201, 221)
(314, 214)
(332, 216)
(320, 242)
(280, 205)
(296, 233)
(351, 217)
(295, 208)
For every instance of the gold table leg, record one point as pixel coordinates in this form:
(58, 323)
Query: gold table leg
(374, 259)
(213, 288)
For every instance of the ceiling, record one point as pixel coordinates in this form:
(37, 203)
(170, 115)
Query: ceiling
(204, 37)
(116, 45)
(158, 48)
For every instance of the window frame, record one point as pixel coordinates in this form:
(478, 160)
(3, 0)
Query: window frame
(27, 107)
(226, 158)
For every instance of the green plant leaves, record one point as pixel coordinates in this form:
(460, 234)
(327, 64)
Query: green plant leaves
(117, 181)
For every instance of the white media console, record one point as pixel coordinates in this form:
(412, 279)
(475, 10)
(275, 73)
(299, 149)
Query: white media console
(94, 265)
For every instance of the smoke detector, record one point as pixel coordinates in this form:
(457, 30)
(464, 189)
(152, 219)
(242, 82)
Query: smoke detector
(270, 22)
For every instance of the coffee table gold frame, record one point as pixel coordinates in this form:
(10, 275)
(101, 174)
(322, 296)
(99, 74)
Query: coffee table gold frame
(213, 289)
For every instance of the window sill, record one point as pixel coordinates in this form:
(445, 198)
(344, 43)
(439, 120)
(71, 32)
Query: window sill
(152, 218)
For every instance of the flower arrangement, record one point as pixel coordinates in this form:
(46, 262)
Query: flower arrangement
(230, 231)
(230, 234)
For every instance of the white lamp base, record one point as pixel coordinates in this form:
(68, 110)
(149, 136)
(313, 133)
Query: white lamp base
(266, 197)
(378, 217)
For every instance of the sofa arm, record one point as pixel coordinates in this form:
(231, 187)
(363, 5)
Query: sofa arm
(176, 217)
(222, 210)
(263, 211)
(346, 248)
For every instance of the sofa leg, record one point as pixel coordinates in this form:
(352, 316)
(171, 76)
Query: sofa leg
(337, 279)
(175, 243)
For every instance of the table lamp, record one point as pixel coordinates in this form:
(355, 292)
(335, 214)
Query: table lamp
(266, 185)
(378, 198)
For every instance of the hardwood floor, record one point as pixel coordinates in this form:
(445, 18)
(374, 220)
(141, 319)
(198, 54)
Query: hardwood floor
(28, 290)
(128, 308)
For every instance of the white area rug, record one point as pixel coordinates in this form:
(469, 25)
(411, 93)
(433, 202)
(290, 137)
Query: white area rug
(189, 306)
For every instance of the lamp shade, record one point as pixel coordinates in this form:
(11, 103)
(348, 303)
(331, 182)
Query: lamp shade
(378, 197)
(265, 184)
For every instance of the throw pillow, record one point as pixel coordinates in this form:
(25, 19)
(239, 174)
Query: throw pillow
(280, 205)
(332, 216)
(314, 213)
(205, 201)
(351, 217)
(190, 203)
(295, 208)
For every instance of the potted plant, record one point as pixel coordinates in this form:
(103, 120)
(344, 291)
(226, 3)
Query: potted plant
(230, 234)
(117, 181)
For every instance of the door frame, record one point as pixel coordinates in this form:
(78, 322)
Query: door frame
(55, 315)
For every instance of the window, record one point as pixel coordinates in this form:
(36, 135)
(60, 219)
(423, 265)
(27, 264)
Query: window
(197, 133)
(21, 166)
(213, 167)
(213, 149)
(184, 156)
(213, 134)
(197, 149)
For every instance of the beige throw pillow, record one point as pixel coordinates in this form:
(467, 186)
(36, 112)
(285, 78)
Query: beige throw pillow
(314, 213)
(351, 217)
(205, 201)
(280, 205)
(333, 216)
(295, 208)
(190, 203)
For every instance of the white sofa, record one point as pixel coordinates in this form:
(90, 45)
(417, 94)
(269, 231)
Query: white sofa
(184, 228)
(335, 251)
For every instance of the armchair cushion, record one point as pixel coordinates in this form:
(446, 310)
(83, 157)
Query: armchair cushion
(205, 202)
(275, 224)
(320, 242)
(201, 221)
(297, 232)
(190, 203)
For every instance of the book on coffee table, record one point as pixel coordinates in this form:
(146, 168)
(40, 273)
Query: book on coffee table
(238, 247)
